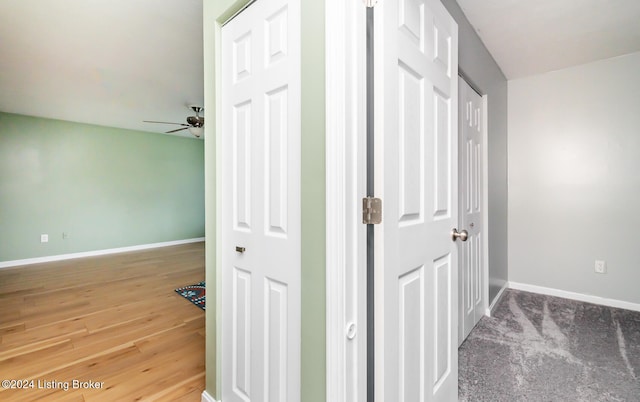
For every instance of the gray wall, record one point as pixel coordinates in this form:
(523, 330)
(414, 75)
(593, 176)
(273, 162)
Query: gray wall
(574, 185)
(484, 74)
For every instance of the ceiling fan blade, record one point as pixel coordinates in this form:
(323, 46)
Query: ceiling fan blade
(177, 129)
(165, 122)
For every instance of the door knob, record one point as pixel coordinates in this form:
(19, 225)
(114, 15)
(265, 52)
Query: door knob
(462, 235)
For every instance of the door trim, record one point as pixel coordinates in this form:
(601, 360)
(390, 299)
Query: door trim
(485, 200)
(345, 186)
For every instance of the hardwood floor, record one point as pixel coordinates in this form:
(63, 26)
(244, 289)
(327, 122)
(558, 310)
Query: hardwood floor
(114, 320)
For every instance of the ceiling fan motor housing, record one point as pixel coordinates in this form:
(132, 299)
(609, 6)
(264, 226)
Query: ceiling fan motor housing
(195, 121)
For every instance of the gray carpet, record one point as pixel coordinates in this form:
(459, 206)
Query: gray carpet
(543, 348)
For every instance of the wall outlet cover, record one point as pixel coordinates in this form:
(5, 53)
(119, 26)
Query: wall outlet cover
(44, 238)
(601, 267)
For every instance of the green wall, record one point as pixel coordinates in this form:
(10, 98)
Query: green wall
(104, 187)
(313, 202)
(313, 353)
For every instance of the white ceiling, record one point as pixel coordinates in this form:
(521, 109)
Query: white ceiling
(537, 36)
(118, 62)
(106, 62)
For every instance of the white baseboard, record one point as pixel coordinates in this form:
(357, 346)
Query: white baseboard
(575, 296)
(496, 299)
(206, 397)
(60, 257)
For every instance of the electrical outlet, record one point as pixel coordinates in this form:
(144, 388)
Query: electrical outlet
(601, 267)
(44, 238)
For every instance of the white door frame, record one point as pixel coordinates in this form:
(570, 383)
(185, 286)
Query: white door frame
(346, 353)
(345, 187)
(485, 201)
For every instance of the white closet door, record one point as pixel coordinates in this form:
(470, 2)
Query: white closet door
(260, 171)
(471, 275)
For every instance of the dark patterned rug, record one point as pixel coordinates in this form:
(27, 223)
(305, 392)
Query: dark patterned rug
(194, 293)
(543, 348)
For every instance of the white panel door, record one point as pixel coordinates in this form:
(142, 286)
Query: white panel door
(260, 171)
(416, 157)
(471, 275)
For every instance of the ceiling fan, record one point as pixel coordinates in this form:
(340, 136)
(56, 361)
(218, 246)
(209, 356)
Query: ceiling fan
(195, 124)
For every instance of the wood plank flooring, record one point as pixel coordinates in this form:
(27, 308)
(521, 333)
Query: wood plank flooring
(114, 320)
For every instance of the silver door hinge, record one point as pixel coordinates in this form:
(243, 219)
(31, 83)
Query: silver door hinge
(370, 3)
(371, 211)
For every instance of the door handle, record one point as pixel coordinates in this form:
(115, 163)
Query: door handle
(462, 235)
(240, 249)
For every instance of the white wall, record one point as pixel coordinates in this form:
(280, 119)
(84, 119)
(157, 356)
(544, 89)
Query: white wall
(574, 185)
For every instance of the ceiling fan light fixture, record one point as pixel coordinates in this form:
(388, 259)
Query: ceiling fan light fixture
(196, 131)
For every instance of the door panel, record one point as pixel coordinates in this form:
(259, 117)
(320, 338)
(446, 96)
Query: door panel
(416, 262)
(241, 133)
(276, 164)
(275, 340)
(260, 203)
(442, 157)
(241, 335)
(412, 364)
(443, 323)
(471, 215)
(411, 137)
